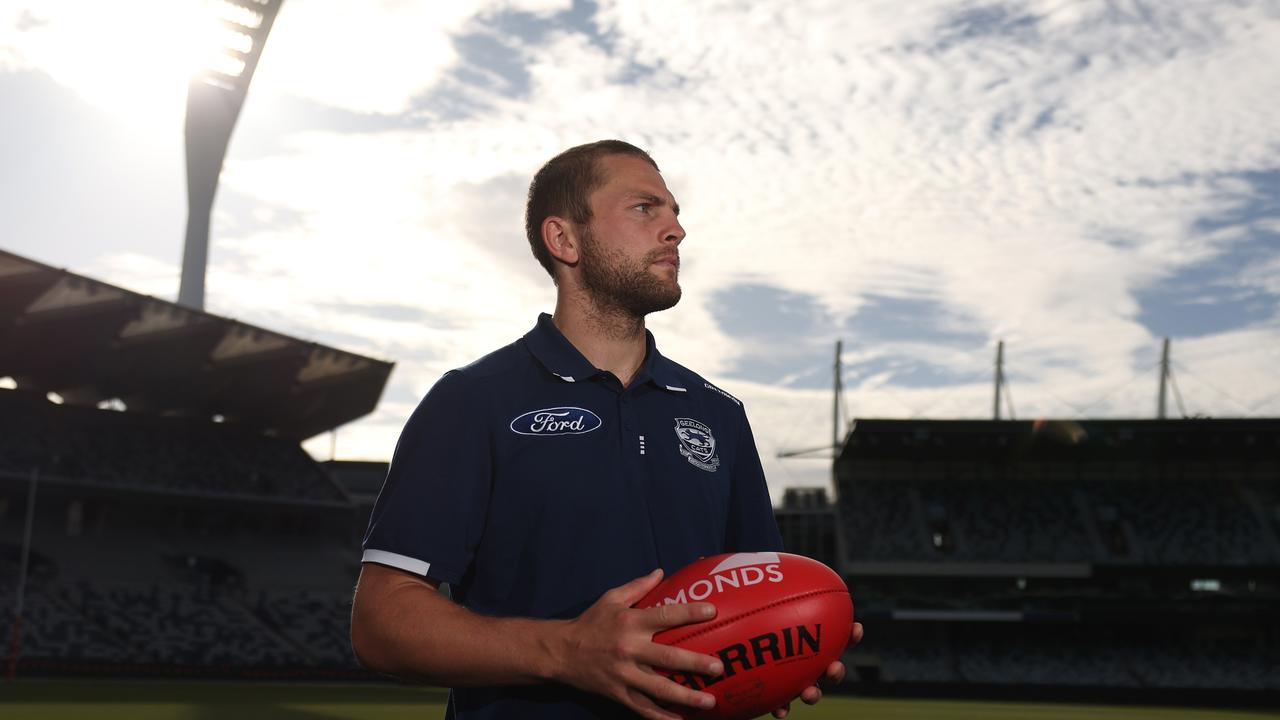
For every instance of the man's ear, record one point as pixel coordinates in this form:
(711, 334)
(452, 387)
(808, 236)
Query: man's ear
(561, 239)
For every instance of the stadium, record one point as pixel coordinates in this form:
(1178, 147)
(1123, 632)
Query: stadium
(172, 546)
(155, 526)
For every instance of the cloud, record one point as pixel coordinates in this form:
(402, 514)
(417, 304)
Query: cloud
(130, 60)
(1077, 179)
(1026, 170)
(370, 57)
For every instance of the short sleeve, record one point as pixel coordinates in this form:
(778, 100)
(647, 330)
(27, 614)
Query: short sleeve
(431, 512)
(750, 526)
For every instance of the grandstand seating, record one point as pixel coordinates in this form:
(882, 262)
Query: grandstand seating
(1031, 521)
(1062, 655)
(984, 559)
(1042, 655)
(139, 624)
(165, 579)
(881, 521)
(128, 450)
(174, 575)
(1029, 518)
(180, 626)
(178, 619)
(313, 620)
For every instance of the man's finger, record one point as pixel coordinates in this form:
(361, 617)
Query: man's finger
(668, 657)
(669, 616)
(631, 592)
(663, 689)
(855, 636)
(835, 673)
(641, 705)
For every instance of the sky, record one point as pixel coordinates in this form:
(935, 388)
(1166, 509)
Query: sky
(921, 180)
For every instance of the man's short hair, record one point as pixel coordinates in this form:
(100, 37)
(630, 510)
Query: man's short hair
(563, 187)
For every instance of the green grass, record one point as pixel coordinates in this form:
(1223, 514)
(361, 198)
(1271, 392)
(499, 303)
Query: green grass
(143, 700)
(140, 700)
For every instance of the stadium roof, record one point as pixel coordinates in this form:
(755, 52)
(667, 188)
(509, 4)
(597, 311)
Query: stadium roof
(89, 341)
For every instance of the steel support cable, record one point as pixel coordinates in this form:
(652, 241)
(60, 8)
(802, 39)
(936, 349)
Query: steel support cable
(1082, 409)
(1177, 394)
(1211, 386)
(1262, 403)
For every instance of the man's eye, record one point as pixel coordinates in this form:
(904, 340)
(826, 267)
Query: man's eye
(644, 207)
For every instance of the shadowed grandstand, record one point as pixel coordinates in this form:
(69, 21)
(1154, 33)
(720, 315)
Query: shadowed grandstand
(180, 527)
(1183, 492)
(94, 344)
(1136, 554)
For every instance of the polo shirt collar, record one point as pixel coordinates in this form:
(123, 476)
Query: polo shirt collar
(658, 370)
(562, 359)
(556, 353)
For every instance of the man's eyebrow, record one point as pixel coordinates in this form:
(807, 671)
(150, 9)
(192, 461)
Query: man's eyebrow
(655, 200)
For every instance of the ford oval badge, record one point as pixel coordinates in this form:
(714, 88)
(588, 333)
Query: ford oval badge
(556, 421)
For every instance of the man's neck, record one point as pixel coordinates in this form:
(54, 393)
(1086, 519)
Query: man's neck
(609, 339)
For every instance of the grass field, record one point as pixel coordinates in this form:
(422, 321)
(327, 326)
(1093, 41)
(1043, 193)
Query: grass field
(126, 700)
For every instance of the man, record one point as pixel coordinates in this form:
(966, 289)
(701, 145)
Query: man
(545, 482)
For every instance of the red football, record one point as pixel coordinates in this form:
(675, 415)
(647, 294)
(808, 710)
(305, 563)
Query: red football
(780, 621)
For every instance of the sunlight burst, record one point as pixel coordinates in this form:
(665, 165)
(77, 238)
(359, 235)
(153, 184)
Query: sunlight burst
(136, 65)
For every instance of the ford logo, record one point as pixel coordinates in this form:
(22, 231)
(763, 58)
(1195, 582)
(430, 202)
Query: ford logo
(556, 421)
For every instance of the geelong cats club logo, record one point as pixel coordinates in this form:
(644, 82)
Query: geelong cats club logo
(697, 444)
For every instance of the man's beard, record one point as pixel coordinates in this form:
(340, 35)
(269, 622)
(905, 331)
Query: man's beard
(614, 285)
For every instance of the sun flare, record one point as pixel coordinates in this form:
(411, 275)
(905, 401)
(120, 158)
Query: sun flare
(136, 64)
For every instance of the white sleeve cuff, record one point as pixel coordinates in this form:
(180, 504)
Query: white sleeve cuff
(395, 560)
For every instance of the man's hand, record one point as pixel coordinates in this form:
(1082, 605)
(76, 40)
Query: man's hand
(834, 675)
(609, 650)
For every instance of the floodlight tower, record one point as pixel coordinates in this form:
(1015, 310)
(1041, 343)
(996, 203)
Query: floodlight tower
(214, 98)
(1002, 385)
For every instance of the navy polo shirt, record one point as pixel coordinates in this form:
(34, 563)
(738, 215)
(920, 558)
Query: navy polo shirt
(532, 482)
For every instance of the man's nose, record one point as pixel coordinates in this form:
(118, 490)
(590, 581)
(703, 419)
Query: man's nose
(676, 233)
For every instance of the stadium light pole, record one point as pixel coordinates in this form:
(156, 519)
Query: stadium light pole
(1161, 403)
(15, 636)
(214, 98)
(999, 379)
(837, 393)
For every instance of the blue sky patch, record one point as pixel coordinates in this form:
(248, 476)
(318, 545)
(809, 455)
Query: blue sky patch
(1215, 295)
(911, 372)
(906, 319)
(788, 336)
(986, 21)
